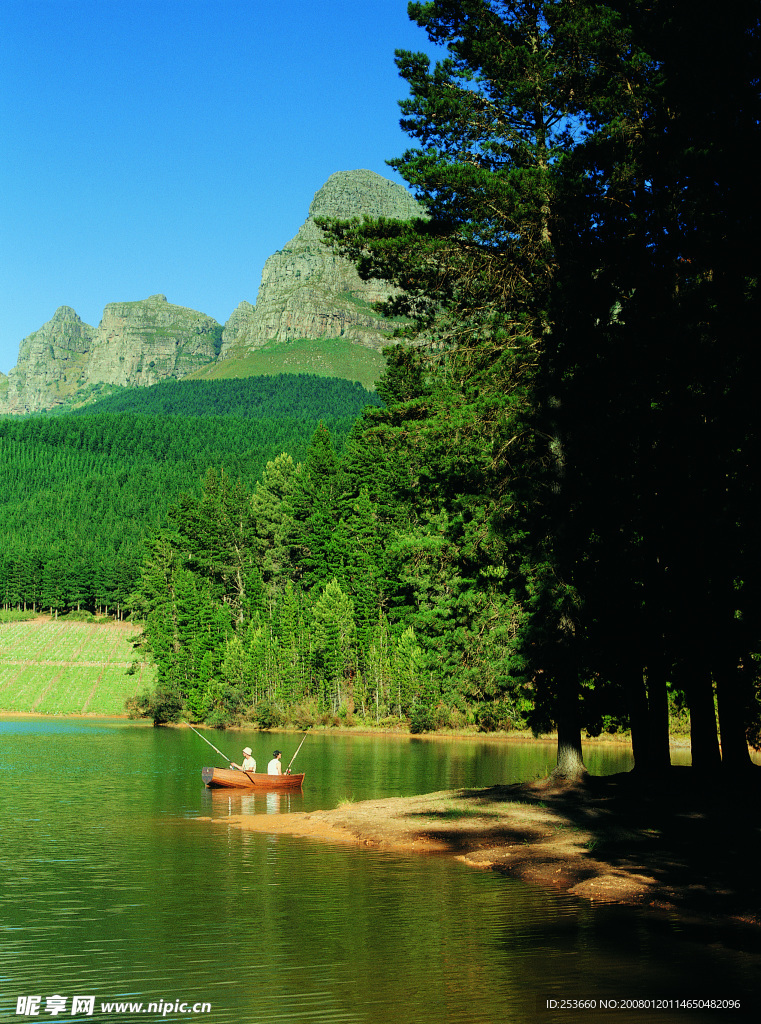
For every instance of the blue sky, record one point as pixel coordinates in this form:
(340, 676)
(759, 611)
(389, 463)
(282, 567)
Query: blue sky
(173, 145)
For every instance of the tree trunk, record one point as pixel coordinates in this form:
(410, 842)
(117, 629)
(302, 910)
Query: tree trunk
(639, 717)
(735, 756)
(570, 756)
(704, 739)
(658, 716)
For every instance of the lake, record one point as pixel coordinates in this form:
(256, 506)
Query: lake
(114, 892)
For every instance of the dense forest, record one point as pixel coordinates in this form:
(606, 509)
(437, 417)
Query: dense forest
(341, 588)
(78, 492)
(277, 397)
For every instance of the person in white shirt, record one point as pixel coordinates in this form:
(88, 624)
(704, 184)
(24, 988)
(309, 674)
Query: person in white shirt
(249, 764)
(274, 767)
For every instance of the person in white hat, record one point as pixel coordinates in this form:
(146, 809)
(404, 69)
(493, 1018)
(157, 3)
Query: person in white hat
(249, 764)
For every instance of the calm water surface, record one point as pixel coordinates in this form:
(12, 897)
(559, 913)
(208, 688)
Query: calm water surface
(112, 888)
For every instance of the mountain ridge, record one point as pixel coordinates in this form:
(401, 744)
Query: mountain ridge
(308, 297)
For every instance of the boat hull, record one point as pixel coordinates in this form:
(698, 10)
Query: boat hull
(230, 778)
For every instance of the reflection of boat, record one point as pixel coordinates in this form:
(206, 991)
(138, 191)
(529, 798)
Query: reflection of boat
(227, 802)
(232, 779)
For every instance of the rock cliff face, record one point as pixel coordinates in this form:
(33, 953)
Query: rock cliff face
(309, 292)
(53, 356)
(140, 343)
(237, 327)
(136, 344)
(306, 292)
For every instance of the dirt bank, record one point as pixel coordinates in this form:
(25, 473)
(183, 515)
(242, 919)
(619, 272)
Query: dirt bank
(677, 844)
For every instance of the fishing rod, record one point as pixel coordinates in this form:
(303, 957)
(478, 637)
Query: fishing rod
(288, 769)
(211, 744)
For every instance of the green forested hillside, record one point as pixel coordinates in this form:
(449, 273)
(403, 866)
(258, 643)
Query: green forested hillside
(78, 492)
(281, 396)
(356, 585)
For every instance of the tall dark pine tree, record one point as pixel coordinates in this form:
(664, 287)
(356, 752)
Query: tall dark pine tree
(694, 291)
(523, 86)
(653, 350)
(314, 503)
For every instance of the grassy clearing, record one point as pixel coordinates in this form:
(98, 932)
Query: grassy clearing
(59, 667)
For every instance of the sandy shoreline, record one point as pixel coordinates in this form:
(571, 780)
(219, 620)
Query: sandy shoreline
(675, 847)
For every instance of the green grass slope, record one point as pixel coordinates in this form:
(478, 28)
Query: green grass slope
(64, 667)
(324, 357)
(334, 358)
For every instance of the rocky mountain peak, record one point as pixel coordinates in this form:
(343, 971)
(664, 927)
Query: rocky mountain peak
(47, 357)
(140, 343)
(348, 194)
(238, 326)
(64, 313)
(307, 291)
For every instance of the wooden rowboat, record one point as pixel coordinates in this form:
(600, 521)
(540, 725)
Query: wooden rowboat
(233, 779)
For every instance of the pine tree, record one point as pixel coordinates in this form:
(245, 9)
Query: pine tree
(502, 123)
(293, 668)
(270, 510)
(378, 659)
(652, 354)
(408, 672)
(314, 500)
(335, 645)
